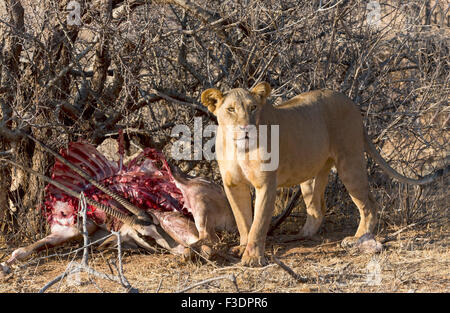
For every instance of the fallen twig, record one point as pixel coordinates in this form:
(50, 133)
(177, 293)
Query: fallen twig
(246, 268)
(159, 285)
(60, 277)
(78, 267)
(231, 277)
(394, 235)
(7, 153)
(286, 268)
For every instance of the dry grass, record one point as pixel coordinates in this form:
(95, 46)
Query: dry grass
(398, 75)
(418, 261)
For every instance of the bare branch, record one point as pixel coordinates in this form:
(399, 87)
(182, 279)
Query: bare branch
(230, 277)
(287, 269)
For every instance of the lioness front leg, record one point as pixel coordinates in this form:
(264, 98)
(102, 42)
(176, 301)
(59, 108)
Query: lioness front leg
(240, 200)
(264, 206)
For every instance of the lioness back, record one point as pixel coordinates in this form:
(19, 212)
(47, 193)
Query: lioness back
(313, 128)
(332, 103)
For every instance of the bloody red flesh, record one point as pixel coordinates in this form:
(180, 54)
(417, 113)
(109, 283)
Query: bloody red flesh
(146, 181)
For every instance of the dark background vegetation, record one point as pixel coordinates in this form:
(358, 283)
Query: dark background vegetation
(142, 65)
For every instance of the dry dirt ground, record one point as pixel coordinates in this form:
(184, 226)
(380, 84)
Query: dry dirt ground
(417, 261)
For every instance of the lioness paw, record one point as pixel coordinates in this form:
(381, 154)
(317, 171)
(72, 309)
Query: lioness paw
(237, 251)
(253, 260)
(364, 244)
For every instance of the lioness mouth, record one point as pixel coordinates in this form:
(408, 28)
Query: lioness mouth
(246, 137)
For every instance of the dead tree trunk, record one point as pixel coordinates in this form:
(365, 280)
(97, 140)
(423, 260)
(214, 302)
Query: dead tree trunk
(9, 77)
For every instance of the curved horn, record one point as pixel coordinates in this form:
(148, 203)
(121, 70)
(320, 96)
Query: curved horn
(129, 220)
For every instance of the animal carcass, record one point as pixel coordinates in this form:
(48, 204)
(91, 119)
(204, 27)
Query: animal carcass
(183, 212)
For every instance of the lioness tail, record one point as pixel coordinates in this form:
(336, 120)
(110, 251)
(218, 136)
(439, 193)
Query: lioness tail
(372, 151)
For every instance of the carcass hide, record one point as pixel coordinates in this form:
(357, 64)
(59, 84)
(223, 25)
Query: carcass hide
(188, 210)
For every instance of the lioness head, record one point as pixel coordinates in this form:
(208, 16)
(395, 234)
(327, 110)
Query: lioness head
(237, 107)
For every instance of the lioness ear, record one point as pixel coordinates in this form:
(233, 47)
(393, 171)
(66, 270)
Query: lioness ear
(262, 90)
(210, 98)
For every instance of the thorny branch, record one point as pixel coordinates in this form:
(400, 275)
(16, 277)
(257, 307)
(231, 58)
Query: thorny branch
(142, 65)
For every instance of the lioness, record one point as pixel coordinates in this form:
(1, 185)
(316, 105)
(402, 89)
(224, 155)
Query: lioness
(317, 130)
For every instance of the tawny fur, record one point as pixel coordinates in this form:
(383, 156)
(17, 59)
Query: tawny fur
(317, 130)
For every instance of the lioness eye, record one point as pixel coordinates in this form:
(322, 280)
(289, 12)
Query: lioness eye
(230, 109)
(252, 108)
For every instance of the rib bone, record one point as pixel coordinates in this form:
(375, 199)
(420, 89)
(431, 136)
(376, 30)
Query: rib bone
(141, 214)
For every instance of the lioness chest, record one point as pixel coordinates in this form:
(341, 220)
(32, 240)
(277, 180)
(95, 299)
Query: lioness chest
(241, 171)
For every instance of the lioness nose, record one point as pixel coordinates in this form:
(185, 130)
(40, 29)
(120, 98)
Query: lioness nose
(244, 128)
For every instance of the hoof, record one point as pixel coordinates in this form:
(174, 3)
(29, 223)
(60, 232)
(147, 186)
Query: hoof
(196, 253)
(188, 255)
(18, 254)
(4, 270)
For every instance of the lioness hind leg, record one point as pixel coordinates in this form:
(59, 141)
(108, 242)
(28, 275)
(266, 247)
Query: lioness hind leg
(313, 195)
(352, 172)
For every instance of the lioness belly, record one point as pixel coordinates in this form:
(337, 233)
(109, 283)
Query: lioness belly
(303, 152)
(288, 176)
